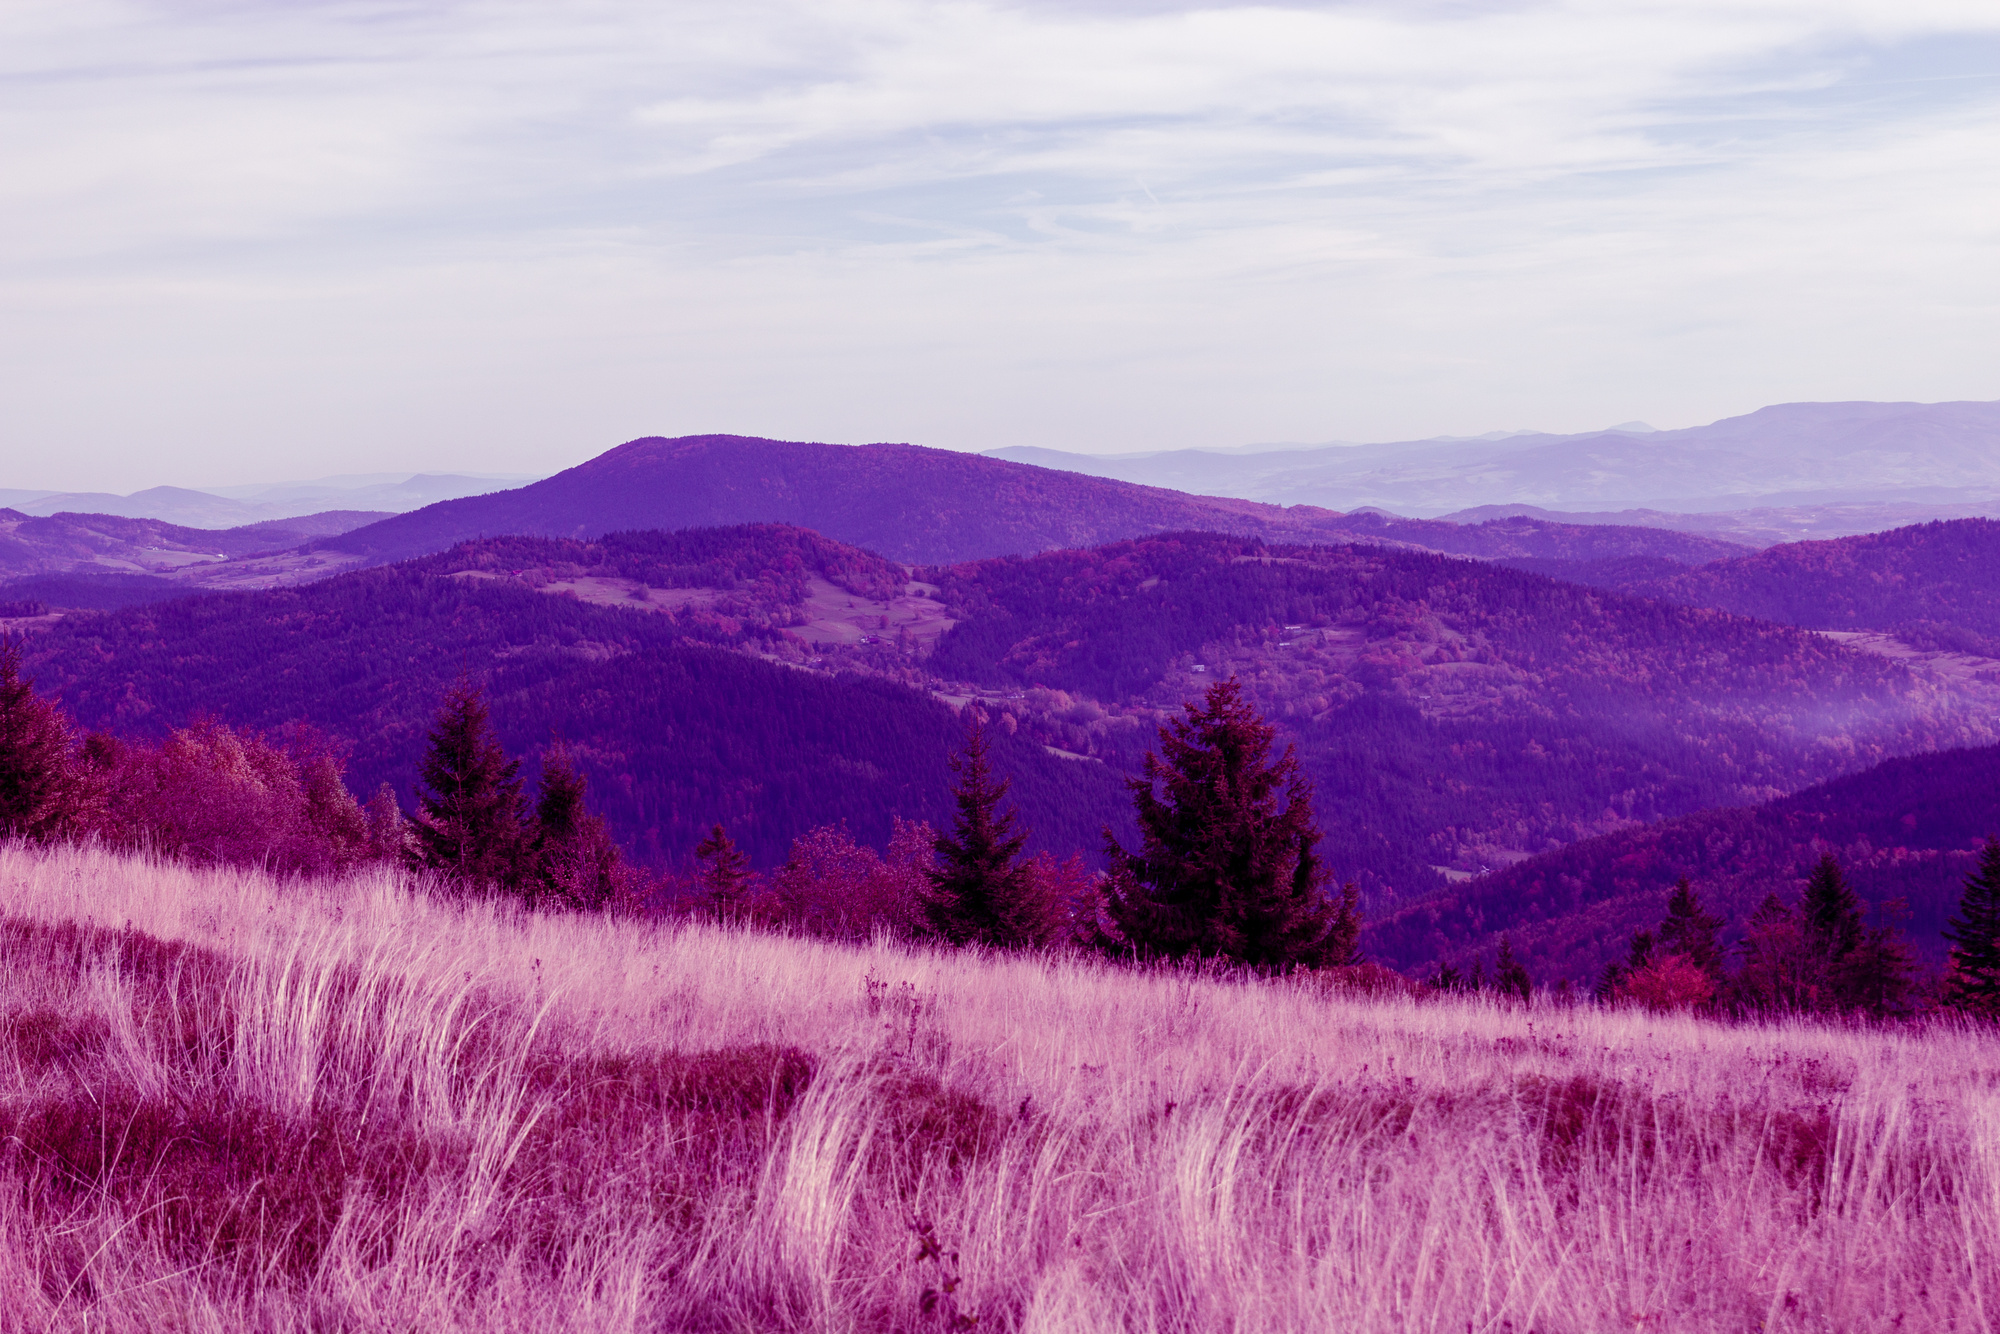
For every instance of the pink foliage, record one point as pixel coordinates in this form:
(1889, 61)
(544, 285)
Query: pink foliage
(1670, 983)
(832, 886)
(210, 794)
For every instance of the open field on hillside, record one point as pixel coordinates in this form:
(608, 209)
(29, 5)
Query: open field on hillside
(229, 1104)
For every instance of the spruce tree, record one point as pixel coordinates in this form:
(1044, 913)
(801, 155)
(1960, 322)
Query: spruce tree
(1510, 976)
(978, 891)
(40, 784)
(1830, 913)
(724, 876)
(574, 861)
(1974, 983)
(1225, 867)
(1689, 931)
(1343, 937)
(469, 828)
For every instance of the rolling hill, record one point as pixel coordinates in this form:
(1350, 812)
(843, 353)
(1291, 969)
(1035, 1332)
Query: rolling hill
(1906, 829)
(932, 506)
(68, 543)
(1453, 713)
(674, 733)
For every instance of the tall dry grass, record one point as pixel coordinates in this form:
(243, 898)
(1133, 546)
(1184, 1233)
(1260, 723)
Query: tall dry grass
(236, 1104)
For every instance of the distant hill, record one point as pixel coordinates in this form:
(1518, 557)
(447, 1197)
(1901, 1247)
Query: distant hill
(1931, 583)
(672, 732)
(1788, 455)
(1908, 829)
(932, 506)
(111, 544)
(1451, 712)
(239, 506)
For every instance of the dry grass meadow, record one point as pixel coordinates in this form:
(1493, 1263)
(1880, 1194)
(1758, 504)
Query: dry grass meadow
(233, 1104)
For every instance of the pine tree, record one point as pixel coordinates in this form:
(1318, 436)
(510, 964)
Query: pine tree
(1830, 913)
(723, 876)
(1343, 938)
(41, 787)
(1689, 931)
(1638, 955)
(469, 826)
(1225, 867)
(1510, 976)
(574, 861)
(1974, 983)
(979, 891)
(1853, 966)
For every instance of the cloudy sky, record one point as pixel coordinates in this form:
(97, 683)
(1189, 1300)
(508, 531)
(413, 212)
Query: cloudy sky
(247, 241)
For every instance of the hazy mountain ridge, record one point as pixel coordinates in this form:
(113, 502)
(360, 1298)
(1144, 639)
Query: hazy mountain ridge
(931, 506)
(112, 544)
(239, 506)
(1822, 454)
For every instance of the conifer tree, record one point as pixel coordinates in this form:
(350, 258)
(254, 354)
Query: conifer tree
(1225, 868)
(1974, 983)
(978, 890)
(1689, 931)
(1510, 976)
(1343, 937)
(469, 826)
(40, 783)
(1829, 912)
(574, 861)
(724, 876)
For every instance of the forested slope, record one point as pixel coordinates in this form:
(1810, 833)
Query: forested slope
(1906, 829)
(1452, 712)
(674, 734)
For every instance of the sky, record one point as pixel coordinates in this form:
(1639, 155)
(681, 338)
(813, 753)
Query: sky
(261, 241)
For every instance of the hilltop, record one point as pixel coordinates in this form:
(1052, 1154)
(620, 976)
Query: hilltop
(933, 506)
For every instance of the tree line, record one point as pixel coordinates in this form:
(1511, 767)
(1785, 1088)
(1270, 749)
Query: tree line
(1226, 865)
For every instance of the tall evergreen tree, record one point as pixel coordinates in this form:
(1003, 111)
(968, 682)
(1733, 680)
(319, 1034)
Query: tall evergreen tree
(978, 890)
(1225, 868)
(574, 861)
(724, 876)
(1689, 931)
(1343, 937)
(41, 785)
(1830, 912)
(1510, 975)
(1974, 984)
(469, 827)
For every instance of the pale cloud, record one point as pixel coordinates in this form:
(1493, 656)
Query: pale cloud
(269, 239)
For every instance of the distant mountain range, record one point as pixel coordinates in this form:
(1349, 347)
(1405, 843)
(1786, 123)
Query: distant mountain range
(238, 506)
(1796, 455)
(934, 506)
(108, 544)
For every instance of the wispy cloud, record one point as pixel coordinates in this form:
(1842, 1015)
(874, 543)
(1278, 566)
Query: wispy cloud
(513, 233)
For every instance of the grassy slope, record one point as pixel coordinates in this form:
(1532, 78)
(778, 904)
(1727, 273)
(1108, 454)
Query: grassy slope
(252, 1107)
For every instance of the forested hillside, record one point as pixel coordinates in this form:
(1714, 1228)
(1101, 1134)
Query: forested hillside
(674, 734)
(1907, 829)
(1932, 584)
(1453, 713)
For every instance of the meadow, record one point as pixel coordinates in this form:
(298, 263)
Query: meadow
(231, 1102)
